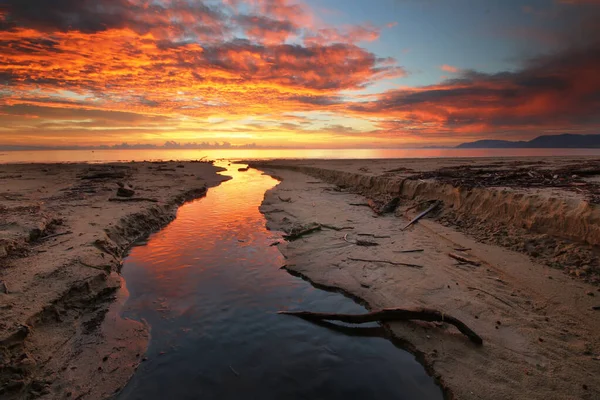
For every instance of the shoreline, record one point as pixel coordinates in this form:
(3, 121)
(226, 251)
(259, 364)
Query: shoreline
(61, 248)
(537, 322)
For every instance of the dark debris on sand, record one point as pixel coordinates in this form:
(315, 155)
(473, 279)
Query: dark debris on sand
(570, 177)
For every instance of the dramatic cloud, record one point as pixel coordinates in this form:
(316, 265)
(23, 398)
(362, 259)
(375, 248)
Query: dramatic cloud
(265, 29)
(179, 59)
(167, 19)
(106, 71)
(560, 91)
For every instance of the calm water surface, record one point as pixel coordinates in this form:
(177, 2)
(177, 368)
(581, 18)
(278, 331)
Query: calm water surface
(247, 154)
(210, 285)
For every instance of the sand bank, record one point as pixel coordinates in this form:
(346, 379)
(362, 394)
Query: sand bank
(528, 292)
(63, 235)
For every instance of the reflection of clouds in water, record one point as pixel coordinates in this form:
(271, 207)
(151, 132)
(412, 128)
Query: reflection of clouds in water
(194, 245)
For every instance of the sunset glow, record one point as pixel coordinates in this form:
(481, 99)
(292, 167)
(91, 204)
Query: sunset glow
(296, 73)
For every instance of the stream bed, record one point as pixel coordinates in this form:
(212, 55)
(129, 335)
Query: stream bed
(210, 285)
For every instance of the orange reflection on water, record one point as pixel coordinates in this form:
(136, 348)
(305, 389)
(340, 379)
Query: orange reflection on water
(249, 154)
(208, 235)
(210, 286)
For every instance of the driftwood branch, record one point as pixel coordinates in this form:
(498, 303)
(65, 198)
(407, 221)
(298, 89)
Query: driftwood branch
(387, 262)
(337, 228)
(297, 235)
(373, 206)
(55, 235)
(464, 259)
(409, 251)
(424, 213)
(389, 315)
(375, 236)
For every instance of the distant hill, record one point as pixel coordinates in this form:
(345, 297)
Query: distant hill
(564, 141)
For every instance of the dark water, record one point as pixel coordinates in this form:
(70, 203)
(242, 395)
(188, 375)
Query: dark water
(209, 285)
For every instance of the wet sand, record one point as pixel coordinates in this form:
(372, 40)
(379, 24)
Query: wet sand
(529, 283)
(63, 235)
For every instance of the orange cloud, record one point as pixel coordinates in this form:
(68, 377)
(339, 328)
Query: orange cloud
(449, 68)
(175, 62)
(560, 91)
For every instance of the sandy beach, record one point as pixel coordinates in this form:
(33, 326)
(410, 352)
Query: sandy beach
(64, 231)
(511, 251)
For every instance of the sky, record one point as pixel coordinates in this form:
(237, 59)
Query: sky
(297, 73)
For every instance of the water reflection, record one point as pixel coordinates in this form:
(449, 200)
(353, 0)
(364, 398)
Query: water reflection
(247, 154)
(210, 285)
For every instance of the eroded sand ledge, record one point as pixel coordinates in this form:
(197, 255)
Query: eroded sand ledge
(538, 323)
(62, 243)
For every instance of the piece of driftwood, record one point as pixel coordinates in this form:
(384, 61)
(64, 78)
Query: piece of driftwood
(391, 315)
(243, 169)
(297, 235)
(409, 251)
(59, 243)
(375, 236)
(424, 213)
(55, 235)
(359, 242)
(359, 204)
(464, 259)
(337, 228)
(387, 262)
(132, 199)
(373, 206)
(285, 199)
(462, 249)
